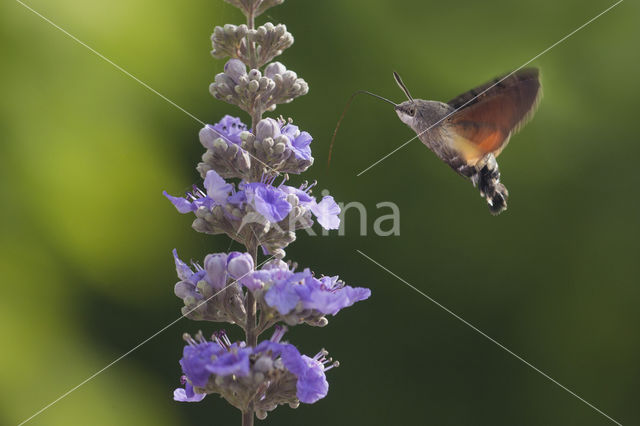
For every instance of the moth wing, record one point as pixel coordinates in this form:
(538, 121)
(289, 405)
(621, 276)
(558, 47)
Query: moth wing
(488, 115)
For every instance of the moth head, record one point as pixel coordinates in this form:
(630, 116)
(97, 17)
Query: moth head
(407, 112)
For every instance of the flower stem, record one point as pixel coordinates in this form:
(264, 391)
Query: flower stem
(247, 417)
(251, 23)
(250, 302)
(256, 115)
(251, 329)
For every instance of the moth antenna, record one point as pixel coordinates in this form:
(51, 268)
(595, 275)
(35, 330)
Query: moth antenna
(346, 107)
(398, 79)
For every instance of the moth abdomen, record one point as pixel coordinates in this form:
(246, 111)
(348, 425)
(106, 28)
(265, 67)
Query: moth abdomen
(488, 182)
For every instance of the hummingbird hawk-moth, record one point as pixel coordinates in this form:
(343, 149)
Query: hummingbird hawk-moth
(471, 130)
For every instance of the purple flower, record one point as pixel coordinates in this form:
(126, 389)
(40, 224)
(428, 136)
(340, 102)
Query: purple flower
(331, 299)
(329, 295)
(312, 383)
(229, 129)
(300, 141)
(220, 361)
(217, 193)
(196, 357)
(269, 201)
(187, 394)
(289, 292)
(235, 361)
(185, 273)
(284, 295)
(201, 358)
(327, 211)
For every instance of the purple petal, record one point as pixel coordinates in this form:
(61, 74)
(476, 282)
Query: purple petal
(312, 385)
(183, 270)
(187, 394)
(239, 198)
(268, 346)
(217, 188)
(228, 129)
(327, 212)
(303, 197)
(301, 147)
(276, 264)
(236, 361)
(270, 202)
(293, 360)
(303, 140)
(255, 280)
(331, 302)
(292, 131)
(181, 204)
(195, 359)
(283, 297)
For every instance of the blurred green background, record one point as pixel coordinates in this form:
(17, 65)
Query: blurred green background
(86, 234)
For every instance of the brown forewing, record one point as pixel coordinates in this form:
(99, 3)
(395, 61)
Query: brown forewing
(490, 113)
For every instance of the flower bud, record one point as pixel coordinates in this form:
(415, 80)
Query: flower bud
(254, 86)
(279, 148)
(267, 128)
(239, 264)
(215, 265)
(254, 74)
(235, 69)
(274, 68)
(264, 364)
